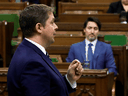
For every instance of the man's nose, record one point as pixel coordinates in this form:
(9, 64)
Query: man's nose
(56, 27)
(92, 30)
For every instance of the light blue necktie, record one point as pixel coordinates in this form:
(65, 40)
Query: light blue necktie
(90, 54)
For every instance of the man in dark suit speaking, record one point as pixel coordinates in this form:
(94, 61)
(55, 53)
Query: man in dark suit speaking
(31, 72)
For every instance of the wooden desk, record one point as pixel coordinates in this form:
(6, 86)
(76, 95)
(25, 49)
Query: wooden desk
(69, 40)
(56, 58)
(93, 83)
(12, 7)
(95, 1)
(78, 26)
(5, 1)
(115, 29)
(82, 8)
(3, 81)
(108, 18)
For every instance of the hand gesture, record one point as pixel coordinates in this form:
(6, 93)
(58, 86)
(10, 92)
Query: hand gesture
(74, 71)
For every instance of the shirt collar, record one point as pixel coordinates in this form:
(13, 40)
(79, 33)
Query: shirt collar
(38, 45)
(93, 42)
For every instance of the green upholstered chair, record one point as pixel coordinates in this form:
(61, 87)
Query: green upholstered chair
(116, 40)
(11, 18)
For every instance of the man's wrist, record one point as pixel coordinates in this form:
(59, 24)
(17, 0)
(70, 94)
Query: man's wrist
(71, 82)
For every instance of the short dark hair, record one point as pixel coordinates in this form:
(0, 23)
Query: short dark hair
(31, 15)
(93, 19)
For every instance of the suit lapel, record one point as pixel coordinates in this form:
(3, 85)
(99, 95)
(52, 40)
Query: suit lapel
(52, 66)
(96, 53)
(82, 50)
(45, 58)
(38, 51)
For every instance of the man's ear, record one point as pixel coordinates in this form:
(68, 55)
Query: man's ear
(84, 31)
(39, 27)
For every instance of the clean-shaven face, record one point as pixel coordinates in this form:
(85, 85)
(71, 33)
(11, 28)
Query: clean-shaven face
(50, 29)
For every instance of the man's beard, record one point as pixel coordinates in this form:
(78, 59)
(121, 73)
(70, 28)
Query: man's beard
(92, 38)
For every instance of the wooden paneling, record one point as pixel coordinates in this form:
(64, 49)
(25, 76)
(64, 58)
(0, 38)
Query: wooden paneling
(82, 8)
(93, 83)
(13, 5)
(3, 81)
(104, 18)
(95, 1)
(4, 0)
(89, 1)
(74, 28)
(69, 40)
(6, 30)
(47, 2)
(78, 26)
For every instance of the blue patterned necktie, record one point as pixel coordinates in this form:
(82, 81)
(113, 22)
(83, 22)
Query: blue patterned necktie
(90, 54)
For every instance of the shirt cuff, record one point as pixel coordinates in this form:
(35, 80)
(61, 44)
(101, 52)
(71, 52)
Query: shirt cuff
(74, 85)
(107, 72)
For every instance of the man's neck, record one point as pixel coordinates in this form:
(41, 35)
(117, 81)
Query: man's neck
(38, 40)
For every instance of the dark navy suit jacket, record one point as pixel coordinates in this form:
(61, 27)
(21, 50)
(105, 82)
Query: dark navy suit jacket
(102, 58)
(31, 73)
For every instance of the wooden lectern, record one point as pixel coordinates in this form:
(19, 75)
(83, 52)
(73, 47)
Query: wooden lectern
(3, 81)
(93, 83)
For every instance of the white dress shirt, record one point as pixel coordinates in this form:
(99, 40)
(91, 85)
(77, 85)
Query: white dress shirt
(74, 85)
(86, 47)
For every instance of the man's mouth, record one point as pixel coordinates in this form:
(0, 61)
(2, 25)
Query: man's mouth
(92, 35)
(54, 34)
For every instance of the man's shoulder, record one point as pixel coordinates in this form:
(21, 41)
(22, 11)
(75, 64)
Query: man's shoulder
(115, 3)
(103, 43)
(26, 52)
(78, 43)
